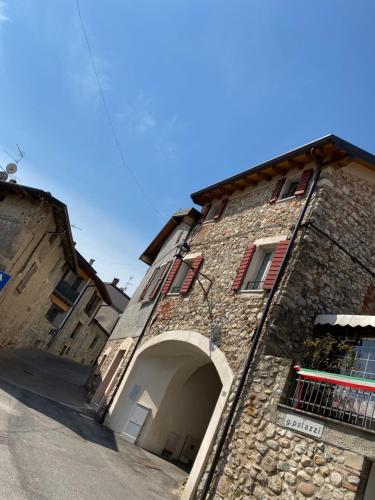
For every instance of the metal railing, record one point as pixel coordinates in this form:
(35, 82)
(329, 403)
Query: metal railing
(345, 404)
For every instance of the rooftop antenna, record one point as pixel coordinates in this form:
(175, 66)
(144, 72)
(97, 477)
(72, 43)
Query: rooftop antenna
(8, 173)
(129, 283)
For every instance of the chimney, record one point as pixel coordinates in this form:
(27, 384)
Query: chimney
(91, 261)
(115, 281)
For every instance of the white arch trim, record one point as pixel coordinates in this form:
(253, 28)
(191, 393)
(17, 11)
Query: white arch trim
(225, 373)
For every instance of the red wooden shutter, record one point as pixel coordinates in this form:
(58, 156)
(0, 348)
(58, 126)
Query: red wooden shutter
(171, 276)
(163, 271)
(244, 266)
(275, 264)
(220, 209)
(205, 211)
(303, 182)
(144, 291)
(186, 285)
(277, 190)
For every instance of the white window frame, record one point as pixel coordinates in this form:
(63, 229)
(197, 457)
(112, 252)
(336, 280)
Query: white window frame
(181, 272)
(210, 214)
(287, 183)
(254, 267)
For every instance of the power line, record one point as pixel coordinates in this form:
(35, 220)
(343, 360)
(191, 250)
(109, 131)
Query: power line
(109, 117)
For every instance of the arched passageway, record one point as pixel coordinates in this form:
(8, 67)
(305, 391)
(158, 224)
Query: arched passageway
(172, 398)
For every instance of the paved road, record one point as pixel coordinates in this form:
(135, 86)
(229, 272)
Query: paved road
(49, 451)
(45, 374)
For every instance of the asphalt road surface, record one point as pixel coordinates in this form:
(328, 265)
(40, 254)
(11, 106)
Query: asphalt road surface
(49, 451)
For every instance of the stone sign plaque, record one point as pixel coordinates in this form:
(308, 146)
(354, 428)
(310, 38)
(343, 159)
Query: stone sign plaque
(304, 425)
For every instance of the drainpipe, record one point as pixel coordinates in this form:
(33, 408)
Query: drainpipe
(139, 339)
(257, 334)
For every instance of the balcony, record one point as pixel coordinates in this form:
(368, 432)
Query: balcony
(66, 292)
(339, 397)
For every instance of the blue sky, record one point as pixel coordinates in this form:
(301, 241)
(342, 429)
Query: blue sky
(198, 91)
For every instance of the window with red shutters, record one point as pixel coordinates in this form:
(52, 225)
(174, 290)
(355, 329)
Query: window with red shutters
(242, 270)
(205, 211)
(190, 276)
(303, 182)
(220, 209)
(171, 276)
(277, 190)
(277, 259)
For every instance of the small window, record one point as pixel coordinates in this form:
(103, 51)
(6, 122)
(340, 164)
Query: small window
(2, 197)
(94, 342)
(211, 212)
(22, 284)
(258, 269)
(153, 286)
(180, 277)
(92, 304)
(55, 315)
(52, 239)
(76, 330)
(289, 189)
(62, 352)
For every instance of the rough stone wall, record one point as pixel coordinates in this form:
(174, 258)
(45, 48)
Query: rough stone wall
(321, 277)
(266, 460)
(248, 217)
(79, 347)
(262, 458)
(24, 227)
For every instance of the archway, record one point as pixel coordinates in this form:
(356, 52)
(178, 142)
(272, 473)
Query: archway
(172, 399)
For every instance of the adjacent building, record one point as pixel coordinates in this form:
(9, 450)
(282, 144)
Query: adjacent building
(280, 262)
(53, 293)
(132, 324)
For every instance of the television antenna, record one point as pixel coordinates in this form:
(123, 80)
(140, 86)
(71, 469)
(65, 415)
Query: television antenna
(7, 173)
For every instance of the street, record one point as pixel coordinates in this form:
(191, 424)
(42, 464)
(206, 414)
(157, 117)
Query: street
(50, 451)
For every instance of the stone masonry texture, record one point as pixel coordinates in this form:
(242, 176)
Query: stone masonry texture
(261, 458)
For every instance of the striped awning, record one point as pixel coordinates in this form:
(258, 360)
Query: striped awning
(345, 320)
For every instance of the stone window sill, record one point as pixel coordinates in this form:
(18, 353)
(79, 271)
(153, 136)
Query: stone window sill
(251, 292)
(286, 199)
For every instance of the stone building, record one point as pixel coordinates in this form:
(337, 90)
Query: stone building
(138, 313)
(35, 246)
(74, 303)
(53, 293)
(283, 253)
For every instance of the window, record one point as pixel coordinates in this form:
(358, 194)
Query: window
(289, 189)
(153, 285)
(55, 315)
(29, 274)
(2, 197)
(180, 277)
(258, 269)
(63, 350)
(92, 304)
(94, 342)
(52, 239)
(213, 211)
(76, 330)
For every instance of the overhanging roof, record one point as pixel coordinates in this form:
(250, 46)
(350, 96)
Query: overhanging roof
(329, 148)
(151, 252)
(100, 285)
(352, 320)
(60, 212)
